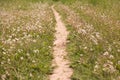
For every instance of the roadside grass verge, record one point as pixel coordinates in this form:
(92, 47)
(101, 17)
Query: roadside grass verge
(94, 40)
(26, 40)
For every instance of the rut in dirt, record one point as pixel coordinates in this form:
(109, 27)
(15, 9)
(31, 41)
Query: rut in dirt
(62, 71)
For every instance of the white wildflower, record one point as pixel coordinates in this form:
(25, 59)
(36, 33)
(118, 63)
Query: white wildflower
(33, 61)
(8, 60)
(85, 48)
(106, 53)
(4, 52)
(109, 62)
(108, 68)
(2, 63)
(37, 36)
(34, 41)
(82, 31)
(118, 50)
(111, 57)
(109, 49)
(28, 54)
(96, 66)
(36, 51)
(98, 35)
(119, 62)
(3, 77)
(92, 37)
(81, 55)
(20, 50)
(31, 75)
(21, 58)
(49, 46)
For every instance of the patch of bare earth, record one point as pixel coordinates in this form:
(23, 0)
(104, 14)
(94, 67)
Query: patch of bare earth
(62, 71)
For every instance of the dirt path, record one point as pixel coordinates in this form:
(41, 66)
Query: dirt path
(62, 70)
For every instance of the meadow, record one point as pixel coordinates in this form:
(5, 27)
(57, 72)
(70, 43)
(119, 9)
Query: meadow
(27, 30)
(94, 39)
(26, 40)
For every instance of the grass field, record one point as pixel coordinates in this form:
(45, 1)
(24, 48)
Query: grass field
(94, 39)
(26, 40)
(27, 35)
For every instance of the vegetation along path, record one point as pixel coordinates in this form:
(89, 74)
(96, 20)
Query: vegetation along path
(62, 70)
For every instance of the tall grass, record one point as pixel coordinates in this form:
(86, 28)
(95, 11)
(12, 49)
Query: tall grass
(94, 38)
(26, 38)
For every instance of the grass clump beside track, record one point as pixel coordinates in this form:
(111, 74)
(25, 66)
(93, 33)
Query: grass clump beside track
(94, 39)
(26, 38)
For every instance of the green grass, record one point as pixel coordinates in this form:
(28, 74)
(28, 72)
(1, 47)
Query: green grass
(94, 39)
(26, 40)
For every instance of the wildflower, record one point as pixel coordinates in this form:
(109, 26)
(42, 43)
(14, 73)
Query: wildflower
(20, 50)
(33, 61)
(49, 46)
(109, 49)
(91, 49)
(2, 63)
(98, 35)
(81, 55)
(7, 73)
(31, 75)
(106, 53)
(118, 50)
(21, 58)
(28, 54)
(82, 31)
(4, 52)
(37, 36)
(109, 62)
(92, 37)
(3, 77)
(36, 51)
(96, 67)
(34, 41)
(119, 62)
(108, 68)
(111, 57)
(85, 47)
(8, 60)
